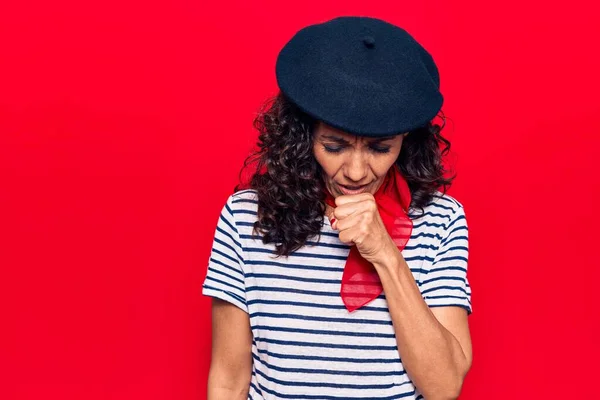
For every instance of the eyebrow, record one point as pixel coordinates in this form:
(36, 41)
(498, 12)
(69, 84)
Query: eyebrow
(340, 140)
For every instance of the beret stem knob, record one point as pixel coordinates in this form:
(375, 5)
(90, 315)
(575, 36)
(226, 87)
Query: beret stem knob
(369, 41)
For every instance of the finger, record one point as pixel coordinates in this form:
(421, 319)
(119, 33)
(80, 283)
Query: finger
(347, 222)
(352, 235)
(345, 210)
(346, 237)
(352, 198)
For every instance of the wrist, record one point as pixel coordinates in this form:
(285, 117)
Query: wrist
(389, 257)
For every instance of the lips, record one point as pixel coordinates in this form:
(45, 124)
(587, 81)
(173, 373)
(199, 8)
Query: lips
(352, 189)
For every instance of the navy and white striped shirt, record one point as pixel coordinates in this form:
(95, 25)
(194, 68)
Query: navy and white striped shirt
(306, 345)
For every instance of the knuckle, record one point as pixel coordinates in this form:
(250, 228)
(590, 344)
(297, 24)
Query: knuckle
(372, 202)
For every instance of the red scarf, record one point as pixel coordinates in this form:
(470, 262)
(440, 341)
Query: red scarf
(360, 281)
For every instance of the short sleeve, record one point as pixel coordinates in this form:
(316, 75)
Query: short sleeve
(225, 274)
(446, 283)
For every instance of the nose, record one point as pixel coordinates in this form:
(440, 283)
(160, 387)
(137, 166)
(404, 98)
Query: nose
(356, 168)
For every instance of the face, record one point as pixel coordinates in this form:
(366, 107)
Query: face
(354, 164)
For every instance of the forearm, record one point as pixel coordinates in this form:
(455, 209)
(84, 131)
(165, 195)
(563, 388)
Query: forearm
(224, 387)
(226, 394)
(431, 355)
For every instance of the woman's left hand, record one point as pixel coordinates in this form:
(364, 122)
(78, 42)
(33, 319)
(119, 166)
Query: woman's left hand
(359, 223)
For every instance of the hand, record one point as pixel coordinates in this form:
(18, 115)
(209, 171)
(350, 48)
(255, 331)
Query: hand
(359, 223)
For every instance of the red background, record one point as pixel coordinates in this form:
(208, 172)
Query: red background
(123, 126)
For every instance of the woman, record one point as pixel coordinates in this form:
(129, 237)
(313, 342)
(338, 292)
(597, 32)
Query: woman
(340, 272)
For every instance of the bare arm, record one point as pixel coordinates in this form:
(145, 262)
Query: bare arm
(231, 360)
(434, 344)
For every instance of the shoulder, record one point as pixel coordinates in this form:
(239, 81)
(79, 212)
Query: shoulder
(446, 202)
(454, 210)
(242, 205)
(442, 205)
(243, 200)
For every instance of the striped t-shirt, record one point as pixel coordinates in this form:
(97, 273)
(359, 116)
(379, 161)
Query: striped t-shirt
(306, 345)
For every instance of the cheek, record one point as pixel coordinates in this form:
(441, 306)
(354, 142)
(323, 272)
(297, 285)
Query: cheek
(382, 164)
(328, 162)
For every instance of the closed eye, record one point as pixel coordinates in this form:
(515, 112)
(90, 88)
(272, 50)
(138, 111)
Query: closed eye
(332, 149)
(381, 150)
(339, 149)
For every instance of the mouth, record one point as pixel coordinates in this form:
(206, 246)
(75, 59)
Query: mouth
(352, 189)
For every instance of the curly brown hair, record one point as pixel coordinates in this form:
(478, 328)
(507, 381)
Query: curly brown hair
(289, 181)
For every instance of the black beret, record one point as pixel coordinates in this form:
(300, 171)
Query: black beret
(362, 75)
